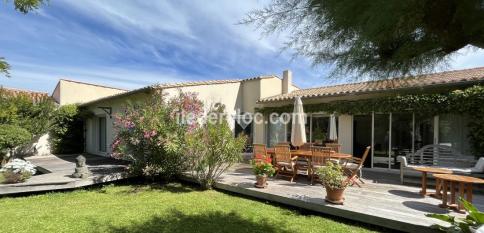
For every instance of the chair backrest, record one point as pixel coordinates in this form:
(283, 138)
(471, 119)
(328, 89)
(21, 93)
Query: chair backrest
(320, 155)
(282, 153)
(259, 149)
(259, 152)
(363, 158)
(334, 146)
(306, 146)
(283, 143)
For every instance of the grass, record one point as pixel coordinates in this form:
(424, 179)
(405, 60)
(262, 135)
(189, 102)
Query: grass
(144, 208)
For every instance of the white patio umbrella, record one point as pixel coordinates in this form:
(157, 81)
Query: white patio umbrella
(298, 133)
(333, 134)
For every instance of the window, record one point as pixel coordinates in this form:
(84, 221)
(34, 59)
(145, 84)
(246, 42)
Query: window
(320, 129)
(453, 132)
(276, 132)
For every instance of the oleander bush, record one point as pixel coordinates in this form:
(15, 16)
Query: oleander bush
(151, 134)
(212, 148)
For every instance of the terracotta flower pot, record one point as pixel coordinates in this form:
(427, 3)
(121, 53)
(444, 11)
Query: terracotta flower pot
(335, 196)
(261, 181)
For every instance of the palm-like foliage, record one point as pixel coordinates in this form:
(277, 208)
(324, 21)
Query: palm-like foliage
(379, 38)
(473, 220)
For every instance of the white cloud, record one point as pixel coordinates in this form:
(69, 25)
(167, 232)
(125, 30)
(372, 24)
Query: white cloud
(468, 57)
(44, 78)
(134, 43)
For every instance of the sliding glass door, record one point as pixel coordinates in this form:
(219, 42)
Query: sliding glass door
(276, 133)
(453, 132)
(401, 140)
(424, 131)
(362, 127)
(319, 129)
(381, 140)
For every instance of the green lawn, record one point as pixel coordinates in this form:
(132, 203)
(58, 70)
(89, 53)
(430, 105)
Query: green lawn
(169, 208)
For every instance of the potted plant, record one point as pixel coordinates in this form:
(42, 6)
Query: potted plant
(335, 182)
(263, 168)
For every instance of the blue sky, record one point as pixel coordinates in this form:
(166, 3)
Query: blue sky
(129, 44)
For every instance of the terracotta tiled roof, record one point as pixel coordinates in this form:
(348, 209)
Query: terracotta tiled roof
(164, 86)
(176, 85)
(34, 95)
(209, 82)
(195, 83)
(449, 77)
(91, 84)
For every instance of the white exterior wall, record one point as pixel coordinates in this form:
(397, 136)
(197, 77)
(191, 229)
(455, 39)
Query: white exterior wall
(71, 92)
(227, 94)
(236, 95)
(92, 123)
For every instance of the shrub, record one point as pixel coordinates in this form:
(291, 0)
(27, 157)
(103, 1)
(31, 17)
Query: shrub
(12, 136)
(332, 176)
(66, 131)
(212, 149)
(17, 170)
(150, 135)
(21, 110)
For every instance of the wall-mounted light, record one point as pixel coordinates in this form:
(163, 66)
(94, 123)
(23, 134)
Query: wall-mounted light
(107, 110)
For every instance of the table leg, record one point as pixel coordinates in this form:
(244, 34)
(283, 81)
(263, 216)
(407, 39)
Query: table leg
(469, 192)
(444, 194)
(438, 187)
(424, 184)
(452, 193)
(461, 194)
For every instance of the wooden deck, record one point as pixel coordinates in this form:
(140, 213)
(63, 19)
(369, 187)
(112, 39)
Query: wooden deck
(378, 202)
(57, 171)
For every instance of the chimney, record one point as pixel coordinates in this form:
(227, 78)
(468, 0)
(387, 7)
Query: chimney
(286, 81)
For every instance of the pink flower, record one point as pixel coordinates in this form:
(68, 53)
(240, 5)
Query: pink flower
(147, 134)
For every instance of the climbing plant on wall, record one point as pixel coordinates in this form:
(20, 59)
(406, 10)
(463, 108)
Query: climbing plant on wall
(468, 101)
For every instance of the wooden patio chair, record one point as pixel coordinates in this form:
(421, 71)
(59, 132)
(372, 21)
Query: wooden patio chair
(303, 162)
(285, 163)
(306, 146)
(321, 156)
(334, 147)
(259, 149)
(353, 167)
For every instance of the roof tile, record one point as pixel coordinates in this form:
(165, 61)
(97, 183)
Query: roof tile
(448, 77)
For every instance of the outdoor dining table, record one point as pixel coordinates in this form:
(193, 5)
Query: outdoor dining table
(438, 185)
(465, 189)
(308, 154)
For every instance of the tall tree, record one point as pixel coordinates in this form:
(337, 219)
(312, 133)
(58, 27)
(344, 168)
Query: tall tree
(23, 6)
(379, 38)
